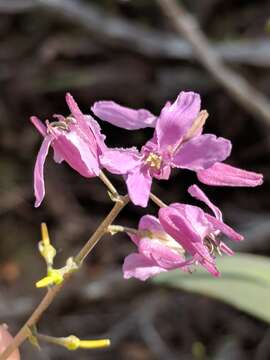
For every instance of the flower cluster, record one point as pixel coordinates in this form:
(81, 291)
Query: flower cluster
(182, 235)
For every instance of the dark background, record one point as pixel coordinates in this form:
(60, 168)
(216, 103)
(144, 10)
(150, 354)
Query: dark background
(44, 54)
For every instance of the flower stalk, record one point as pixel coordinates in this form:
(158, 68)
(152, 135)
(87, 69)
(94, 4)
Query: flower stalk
(52, 292)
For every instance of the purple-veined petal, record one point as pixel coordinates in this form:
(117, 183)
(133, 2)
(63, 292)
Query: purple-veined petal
(42, 129)
(139, 185)
(120, 161)
(151, 223)
(122, 116)
(163, 255)
(225, 229)
(210, 266)
(73, 107)
(226, 175)
(86, 127)
(140, 267)
(195, 217)
(197, 193)
(96, 129)
(39, 186)
(175, 119)
(181, 228)
(201, 152)
(77, 154)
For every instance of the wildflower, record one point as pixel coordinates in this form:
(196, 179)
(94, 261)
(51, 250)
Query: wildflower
(122, 116)
(196, 231)
(157, 251)
(76, 139)
(5, 340)
(177, 142)
(225, 175)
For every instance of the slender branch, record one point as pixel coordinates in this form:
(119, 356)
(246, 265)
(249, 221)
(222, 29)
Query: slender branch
(101, 230)
(157, 201)
(52, 292)
(237, 86)
(108, 183)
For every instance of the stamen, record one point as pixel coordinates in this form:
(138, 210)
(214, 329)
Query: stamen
(154, 161)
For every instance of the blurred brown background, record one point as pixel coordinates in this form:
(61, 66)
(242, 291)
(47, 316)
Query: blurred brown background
(125, 51)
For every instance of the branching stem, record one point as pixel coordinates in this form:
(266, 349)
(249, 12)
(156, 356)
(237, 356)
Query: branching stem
(23, 334)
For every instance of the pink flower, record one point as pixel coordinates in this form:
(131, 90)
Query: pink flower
(196, 230)
(157, 251)
(5, 340)
(76, 139)
(177, 142)
(226, 175)
(122, 116)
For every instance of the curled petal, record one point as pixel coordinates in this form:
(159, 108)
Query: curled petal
(39, 186)
(39, 125)
(139, 185)
(197, 193)
(75, 151)
(176, 119)
(140, 267)
(87, 128)
(161, 254)
(181, 228)
(120, 161)
(151, 223)
(201, 152)
(226, 175)
(225, 229)
(122, 116)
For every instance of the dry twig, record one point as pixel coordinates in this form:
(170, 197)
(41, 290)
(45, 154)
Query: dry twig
(238, 87)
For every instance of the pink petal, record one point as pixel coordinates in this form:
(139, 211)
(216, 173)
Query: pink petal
(140, 267)
(195, 217)
(175, 119)
(75, 151)
(122, 116)
(86, 127)
(161, 254)
(201, 152)
(73, 107)
(42, 129)
(184, 231)
(96, 129)
(197, 193)
(151, 223)
(120, 161)
(225, 175)
(225, 249)
(139, 185)
(57, 156)
(225, 229)
(39, 186)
